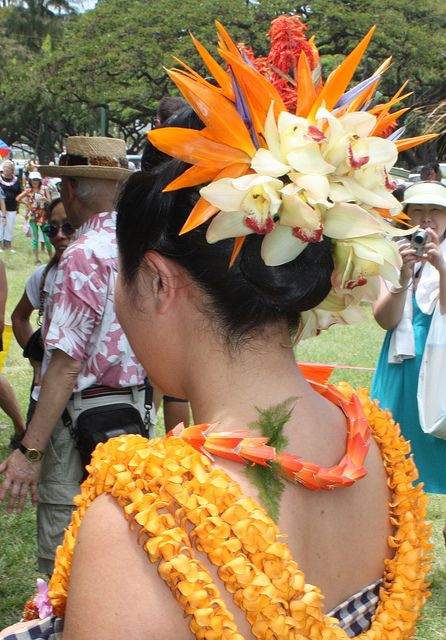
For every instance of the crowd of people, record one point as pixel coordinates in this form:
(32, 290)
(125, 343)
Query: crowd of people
(205, 323)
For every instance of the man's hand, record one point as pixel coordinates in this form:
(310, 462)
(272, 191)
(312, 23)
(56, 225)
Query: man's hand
(20, 476)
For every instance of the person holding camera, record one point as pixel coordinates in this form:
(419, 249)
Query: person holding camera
(406, 313)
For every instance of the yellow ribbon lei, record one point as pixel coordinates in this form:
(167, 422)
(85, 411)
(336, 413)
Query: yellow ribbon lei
(164, 482)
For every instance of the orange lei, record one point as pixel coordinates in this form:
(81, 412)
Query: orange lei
(235, 446)
(162, 482)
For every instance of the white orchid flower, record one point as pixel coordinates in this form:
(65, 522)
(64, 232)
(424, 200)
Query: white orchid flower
(292, 143)
(341, 306)
(270, 161)
(300, 145)
(295, 212)
(344, 138)
(299, 223)
(349, 144)
(247, 205)
(318, 319)
(281, 246)
(347, 220)
(359, 259)
(359, 191)
(362, 161)
(316, 188)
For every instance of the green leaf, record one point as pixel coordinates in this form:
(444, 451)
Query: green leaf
(267, 479)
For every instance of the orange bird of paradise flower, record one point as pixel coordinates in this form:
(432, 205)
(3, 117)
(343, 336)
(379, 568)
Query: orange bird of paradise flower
(234, 110)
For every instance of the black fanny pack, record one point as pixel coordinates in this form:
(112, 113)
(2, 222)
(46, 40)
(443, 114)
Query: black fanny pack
(99, 424)
(34, 347)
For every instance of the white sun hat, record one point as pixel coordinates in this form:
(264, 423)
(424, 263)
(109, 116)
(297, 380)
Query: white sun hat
(426, 192)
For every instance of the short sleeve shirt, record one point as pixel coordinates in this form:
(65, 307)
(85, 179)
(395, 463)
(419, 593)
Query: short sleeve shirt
(35, 206)
(81, 317)
(33, 284)
(11, 189)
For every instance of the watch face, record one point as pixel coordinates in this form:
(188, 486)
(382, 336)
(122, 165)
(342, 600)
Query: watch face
(33, 455)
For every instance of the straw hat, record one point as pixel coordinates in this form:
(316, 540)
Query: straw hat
(427, 192)
(89, 157)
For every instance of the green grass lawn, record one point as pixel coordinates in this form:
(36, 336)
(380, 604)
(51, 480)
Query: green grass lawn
(355, 346)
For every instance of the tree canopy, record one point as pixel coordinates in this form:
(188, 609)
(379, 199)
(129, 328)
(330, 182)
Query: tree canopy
(63, 72)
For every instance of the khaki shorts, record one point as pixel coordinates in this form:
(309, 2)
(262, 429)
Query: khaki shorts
(61, 475)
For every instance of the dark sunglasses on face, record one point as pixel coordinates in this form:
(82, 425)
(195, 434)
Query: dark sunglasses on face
(51, 230)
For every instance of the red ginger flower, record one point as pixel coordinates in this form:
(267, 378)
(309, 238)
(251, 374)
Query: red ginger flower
(287, 37)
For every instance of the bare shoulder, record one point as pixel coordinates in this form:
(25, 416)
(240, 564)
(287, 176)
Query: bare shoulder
(114, 589)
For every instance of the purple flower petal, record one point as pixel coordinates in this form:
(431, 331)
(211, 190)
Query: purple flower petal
(42, 601)
(246, 59)
(396, 134)
(243, 109)
(353, 93)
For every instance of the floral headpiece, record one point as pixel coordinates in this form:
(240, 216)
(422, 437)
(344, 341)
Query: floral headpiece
(292, 159)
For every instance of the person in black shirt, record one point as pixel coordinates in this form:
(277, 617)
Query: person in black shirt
(11, 186)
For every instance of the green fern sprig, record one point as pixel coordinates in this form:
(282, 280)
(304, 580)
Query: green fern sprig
(267, 479)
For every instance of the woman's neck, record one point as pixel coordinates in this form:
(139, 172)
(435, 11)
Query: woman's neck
(226, 388)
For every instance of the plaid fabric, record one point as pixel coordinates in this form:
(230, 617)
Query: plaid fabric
(354, 617)
(355, 613)
(47, 629)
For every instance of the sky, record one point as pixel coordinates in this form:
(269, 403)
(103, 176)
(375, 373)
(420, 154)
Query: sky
(87, 4)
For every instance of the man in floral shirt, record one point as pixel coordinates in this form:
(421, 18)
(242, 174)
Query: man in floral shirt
(88, 361)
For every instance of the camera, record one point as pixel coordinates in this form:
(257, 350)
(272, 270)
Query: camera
(418, 241)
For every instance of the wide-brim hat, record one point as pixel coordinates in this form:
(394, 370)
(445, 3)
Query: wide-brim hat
(91, 157)
(426, 192)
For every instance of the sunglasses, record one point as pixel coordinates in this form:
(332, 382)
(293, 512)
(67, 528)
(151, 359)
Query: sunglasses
(51, 230)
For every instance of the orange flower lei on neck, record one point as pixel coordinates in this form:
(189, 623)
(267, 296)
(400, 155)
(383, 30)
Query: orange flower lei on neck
(161, 483)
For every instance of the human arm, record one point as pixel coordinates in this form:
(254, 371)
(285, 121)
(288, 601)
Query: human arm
(46, 194)
(114, 586)
(21, 197)
(20, 317)
(3, 206)
(389, 307)
(433, 254)
(23, 330)
(21, 475)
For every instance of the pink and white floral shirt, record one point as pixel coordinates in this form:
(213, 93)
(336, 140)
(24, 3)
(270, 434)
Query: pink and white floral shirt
(81, 317)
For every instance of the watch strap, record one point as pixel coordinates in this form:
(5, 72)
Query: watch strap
(31, 454)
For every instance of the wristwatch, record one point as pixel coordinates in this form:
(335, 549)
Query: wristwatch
(33, 455)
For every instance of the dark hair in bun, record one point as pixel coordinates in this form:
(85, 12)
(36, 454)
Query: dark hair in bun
(247, 296)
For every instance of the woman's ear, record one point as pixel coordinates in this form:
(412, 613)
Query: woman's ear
(165, 275)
